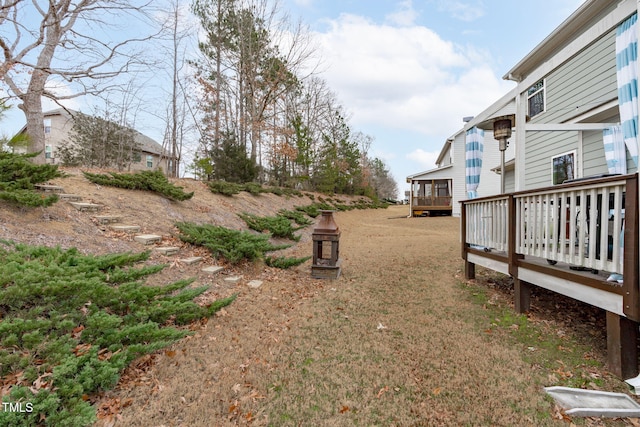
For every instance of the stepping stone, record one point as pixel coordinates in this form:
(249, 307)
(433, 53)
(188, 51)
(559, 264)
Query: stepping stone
(213, 269)
(255, 284)
(147, 239)
(191, 260)
(168, 250)
(81, 206)
(232, 279)
(126, 228)
(70, 197)
(107, 219)
(49, 188)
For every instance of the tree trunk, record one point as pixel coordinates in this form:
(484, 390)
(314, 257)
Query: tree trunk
(32, 107)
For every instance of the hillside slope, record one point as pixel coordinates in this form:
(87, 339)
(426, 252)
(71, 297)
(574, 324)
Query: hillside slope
(63, 225)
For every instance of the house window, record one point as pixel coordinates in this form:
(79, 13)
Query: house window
(564, 167)
(149, 161)
(535, 99)
(48, 152)
(47, 126)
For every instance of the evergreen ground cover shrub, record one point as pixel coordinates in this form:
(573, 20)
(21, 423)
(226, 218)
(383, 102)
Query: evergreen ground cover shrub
(233, 245)
(18, 177)
(285, 262)
(71, 323)
(225, 188)
(278, 226)
(296, 216)
(146, 180)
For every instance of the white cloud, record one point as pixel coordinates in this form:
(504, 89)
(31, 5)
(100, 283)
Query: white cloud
(406, 78)
(426, 159)
(464, 11)
(405, 16)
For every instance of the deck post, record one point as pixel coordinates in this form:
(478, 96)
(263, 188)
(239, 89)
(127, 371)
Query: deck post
(631, 295)
(522, 294)
(622, 346)
(469, 267)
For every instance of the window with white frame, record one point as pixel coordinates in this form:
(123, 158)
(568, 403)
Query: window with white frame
(149, 161)
(48, 152)
(563, 167)
(535, 99)
(47, 126)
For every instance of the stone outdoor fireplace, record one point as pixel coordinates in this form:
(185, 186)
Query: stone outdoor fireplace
(326, 248)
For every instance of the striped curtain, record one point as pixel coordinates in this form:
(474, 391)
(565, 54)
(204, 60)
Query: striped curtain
(473, 155)
(614, 151)
(627, 76)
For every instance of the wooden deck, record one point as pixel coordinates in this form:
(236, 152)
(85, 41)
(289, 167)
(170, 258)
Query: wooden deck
(590, 225)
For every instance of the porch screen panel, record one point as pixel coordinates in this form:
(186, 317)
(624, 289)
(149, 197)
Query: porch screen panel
(473, 154)
(627, 77)
(614, 151)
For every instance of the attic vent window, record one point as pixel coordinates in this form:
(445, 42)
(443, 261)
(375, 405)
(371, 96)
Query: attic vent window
(535, 98)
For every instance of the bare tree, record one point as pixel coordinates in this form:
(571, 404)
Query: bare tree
(56, 42)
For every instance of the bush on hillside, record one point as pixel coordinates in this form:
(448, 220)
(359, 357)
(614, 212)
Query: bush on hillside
(233, 245)
(18, 177)
(146, 180)
(71, 323)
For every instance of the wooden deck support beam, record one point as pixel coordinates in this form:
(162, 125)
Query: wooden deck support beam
(469, 267)
(622, 346)
(522, 294)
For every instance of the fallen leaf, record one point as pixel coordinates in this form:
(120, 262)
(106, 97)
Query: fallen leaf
(382, 391)
(344, 409)
(170, 353)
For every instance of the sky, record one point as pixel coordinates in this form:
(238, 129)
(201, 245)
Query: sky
(408, 71)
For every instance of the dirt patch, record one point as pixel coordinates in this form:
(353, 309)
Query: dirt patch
(396, 340)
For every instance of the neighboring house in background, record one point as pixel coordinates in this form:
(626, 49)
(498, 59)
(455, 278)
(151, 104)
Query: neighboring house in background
(575, 117)
(451, 170)
(57, 127)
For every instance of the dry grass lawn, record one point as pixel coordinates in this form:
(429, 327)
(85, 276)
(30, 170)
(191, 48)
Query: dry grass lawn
(398, 340)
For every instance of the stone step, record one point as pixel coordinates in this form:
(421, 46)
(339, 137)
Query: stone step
(232, 279)
(126, 228)
(213, 269)
(147, 239)
(48, 188)
(107, 219)
(191, 260)
(255, 284)
(83, 206)
(69, 197)
(168, 250)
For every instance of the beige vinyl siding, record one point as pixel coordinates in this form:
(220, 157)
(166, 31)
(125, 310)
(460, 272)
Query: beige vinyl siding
(581, 84)
(540, 149)
(509, 182)
(593, 161)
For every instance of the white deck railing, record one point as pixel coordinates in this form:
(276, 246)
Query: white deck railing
(580, 225)
(487, 223)
(577, 224)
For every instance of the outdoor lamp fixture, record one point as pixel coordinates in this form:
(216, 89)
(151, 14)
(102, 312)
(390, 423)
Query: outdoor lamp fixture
(502, 132)
(326, 250)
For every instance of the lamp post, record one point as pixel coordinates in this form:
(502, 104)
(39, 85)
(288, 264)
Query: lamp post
(502, 132)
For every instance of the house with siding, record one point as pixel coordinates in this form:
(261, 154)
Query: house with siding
(451, 171)
(57, 127)
(569, 219)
